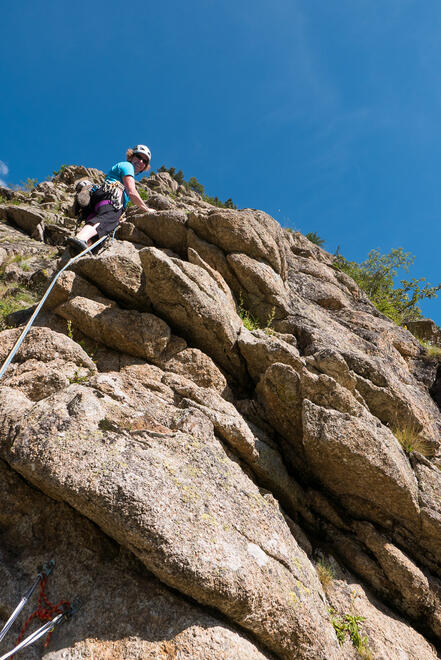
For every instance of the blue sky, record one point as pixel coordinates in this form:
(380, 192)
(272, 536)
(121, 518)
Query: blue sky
(324, 114)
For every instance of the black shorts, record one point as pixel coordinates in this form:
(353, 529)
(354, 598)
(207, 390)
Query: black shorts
(107, 217)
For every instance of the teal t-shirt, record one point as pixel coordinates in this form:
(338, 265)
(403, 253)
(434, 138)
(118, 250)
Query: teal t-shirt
(118, 171)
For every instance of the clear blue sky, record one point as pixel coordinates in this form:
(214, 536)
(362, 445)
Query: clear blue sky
(326, 114)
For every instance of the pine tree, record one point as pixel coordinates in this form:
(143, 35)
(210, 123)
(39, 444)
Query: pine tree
(179, 177)
(195, 185)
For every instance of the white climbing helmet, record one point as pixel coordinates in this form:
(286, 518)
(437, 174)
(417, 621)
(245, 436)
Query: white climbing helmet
(143, 151)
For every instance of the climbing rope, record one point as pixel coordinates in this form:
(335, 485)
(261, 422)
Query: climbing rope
(50, 613)
(29, 324)
(45, 572)
(43, 613)
(33, 637)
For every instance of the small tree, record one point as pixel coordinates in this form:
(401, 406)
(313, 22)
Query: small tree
(179, 177)
(194, 184)
(376, 276)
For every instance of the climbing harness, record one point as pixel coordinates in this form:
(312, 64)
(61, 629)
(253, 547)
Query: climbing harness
(113, 193)
(40, 304)
(52, 614)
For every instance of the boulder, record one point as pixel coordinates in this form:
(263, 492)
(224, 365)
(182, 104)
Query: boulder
(181, 512)
(87, 562)
(162, 182)
(261, 350)
(193, 302)
(425, 329)
(26, 217)
(250, 232)
(167, 229)
(117, 272)
(136, 333)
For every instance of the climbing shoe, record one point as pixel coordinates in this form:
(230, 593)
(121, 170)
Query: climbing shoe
(76, 246)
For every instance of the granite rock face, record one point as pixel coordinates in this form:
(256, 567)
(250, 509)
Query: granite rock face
(241, 491)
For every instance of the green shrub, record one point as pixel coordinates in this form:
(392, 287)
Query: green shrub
(375, 276)
(431, 350)
(29, 184)
(228, 204)
(350, 624)
(78, 378)
(315, 238)
(196, 186)
(60, 171)
(247, 318)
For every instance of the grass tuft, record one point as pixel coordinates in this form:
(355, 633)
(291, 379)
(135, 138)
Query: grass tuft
(325, 572)
(410, 440)
(247, 318)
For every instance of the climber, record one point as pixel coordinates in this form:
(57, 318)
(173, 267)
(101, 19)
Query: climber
(108, 201)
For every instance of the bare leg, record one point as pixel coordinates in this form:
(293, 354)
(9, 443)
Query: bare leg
(87, 232)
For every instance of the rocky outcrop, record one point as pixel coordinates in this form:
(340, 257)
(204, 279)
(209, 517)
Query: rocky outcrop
(425, 329)
(209, 473)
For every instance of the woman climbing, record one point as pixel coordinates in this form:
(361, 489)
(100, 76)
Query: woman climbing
(108, 201)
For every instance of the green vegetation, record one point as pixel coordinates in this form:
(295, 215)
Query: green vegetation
(410, 440)
(431, 350)
(143, 194)
(5, 200)
(247, 318)
(13, 297)
(19, 259)
(86, 346)
(375, 276)
(60, 171)
(78, 378)
(214, 201)
(250, 322)
(196, 186)
(350, 624)
(29, 184)
(269, 322)
(315, 238)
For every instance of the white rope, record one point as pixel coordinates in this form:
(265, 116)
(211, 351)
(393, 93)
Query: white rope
(40, 305)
